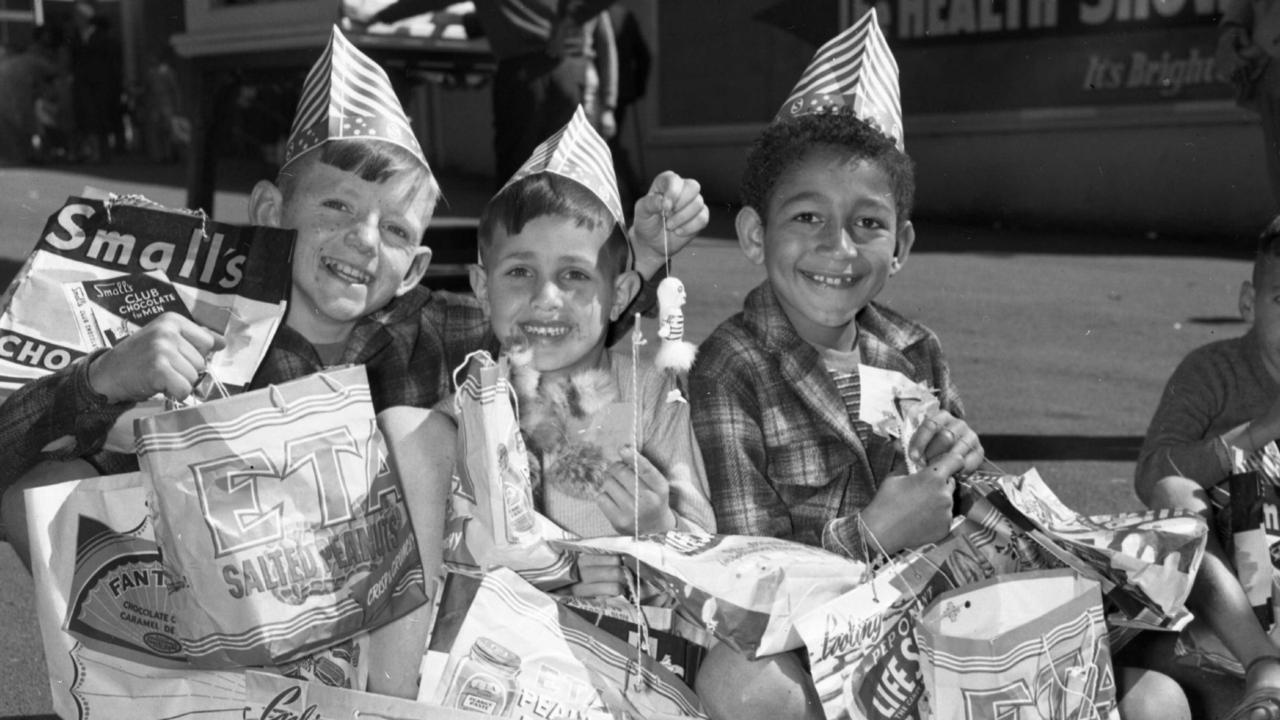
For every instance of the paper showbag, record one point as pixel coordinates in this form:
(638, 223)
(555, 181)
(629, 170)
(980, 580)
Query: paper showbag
(491, 520)
(745, 590)
(280, 519)
(273, 697)
(128, 665)
(103, 269)
(502, 648)
(1027, 645)
(1145, 561)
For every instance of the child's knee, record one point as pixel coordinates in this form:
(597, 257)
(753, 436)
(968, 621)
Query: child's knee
(1150, 695)
(1178, 493)
(733, 687)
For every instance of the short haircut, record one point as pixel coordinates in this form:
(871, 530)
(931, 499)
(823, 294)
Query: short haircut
(371, 161)
(785, 143)
(1268, 251)
(551, 195)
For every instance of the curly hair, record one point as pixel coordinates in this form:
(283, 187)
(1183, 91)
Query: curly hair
(785, 143)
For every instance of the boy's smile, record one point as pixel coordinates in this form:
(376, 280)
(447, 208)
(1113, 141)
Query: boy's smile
(358, 246)
(548, 284)
(828, 243)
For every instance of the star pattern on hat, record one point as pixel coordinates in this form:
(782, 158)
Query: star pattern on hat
(348, 95)
(854, 72)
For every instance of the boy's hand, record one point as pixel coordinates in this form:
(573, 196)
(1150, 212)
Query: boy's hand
(940, 433)
(599, 576)
(166, 356)
(911, 510)
(621, 504)
(686, 213)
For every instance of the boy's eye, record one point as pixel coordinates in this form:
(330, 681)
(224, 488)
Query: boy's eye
(807, 218)
(398, 231)
(334, 204)
(518, 272)
(871, 223)
(577, 275)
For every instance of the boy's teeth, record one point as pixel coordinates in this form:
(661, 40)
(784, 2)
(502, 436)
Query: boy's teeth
(544, 330)
(346, 272)
(841, 281)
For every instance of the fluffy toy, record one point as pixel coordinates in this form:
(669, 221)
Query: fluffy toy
(675, 353)
(558, 419)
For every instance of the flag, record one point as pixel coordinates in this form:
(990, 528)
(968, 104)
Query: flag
(854, 72)
(348, 96)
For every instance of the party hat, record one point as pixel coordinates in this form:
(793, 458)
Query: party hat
(348, 96)
(578, 153)
(854, 72)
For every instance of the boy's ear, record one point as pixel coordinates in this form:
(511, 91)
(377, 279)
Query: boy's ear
(417, 268)
(906, 238)
(480, 285)
(625, 288)
(750, 227)
(1246, 301)
(266, 204)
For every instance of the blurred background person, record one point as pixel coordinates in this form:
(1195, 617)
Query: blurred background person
(158, 106)
(633, 61)
(97, 83)
(23, 77)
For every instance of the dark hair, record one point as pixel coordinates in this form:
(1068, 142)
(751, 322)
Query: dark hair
(787, 142)
(371, 161)
(551, 195)
(1268, 249)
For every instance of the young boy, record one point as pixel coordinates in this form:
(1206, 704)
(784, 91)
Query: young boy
(1222, 398)
(776, 389)
(360, 204)
(554, 272)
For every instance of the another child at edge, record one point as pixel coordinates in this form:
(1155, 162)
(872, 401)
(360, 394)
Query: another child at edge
(1223, 397)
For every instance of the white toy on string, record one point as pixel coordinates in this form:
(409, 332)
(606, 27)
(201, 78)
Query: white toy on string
(675, 353)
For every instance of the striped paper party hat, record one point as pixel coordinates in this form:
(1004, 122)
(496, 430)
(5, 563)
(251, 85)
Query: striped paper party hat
(578, 153)
(854, 72)
(348, 96)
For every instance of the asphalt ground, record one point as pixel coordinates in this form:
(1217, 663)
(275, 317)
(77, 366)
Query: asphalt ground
(1059, 341)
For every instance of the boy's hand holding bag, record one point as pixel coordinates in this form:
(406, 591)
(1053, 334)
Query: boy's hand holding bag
(103, 269)
(281, 520)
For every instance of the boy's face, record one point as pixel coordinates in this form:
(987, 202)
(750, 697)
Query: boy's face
(830, 240)
(358, 245)
(553, 284)
(1260, 306)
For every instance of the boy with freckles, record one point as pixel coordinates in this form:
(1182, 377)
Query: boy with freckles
(360, 205)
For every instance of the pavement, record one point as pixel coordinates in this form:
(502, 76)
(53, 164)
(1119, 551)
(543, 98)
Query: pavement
(1059, 341)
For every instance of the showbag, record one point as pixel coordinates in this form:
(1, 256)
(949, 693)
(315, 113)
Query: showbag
(491, 520)
(1028, 645)
(280, 520)
(502, 648)
(103, 269)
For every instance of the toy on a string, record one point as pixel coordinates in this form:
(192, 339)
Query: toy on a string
(674, 353)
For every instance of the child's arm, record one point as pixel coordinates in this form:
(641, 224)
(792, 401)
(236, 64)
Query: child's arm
(421, 446)
(1178, 440)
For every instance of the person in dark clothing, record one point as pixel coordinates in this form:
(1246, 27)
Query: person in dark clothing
(542, 51)
(97, 82)
(634, 61)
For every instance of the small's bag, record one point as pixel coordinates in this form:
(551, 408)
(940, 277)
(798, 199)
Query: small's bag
(491, 521)
(103, 269)
(274, 696)
(280, 519)
(501, 647)
(1029, 644)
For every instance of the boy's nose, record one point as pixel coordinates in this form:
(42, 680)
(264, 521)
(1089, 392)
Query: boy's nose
(364, 235)
(840, 243)
(548, 296)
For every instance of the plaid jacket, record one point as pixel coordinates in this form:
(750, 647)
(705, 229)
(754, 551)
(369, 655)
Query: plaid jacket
(782, 456)
(409, 349)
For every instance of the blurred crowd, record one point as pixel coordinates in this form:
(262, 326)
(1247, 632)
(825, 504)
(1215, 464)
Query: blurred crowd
(66, 100)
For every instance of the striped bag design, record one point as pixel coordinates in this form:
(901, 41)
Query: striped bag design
(1029, 644)
(280, 519)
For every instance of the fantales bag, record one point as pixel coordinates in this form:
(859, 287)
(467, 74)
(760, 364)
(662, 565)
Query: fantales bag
(280, 518)
(104, 268)
(1026, 645)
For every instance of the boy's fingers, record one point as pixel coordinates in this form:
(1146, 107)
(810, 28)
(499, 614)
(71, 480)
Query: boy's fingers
(947, 465)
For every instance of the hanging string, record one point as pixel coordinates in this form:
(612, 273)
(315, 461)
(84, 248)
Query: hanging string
(637, 339)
